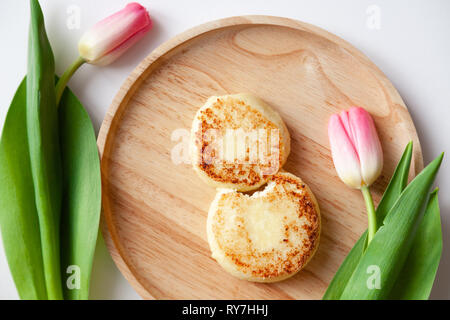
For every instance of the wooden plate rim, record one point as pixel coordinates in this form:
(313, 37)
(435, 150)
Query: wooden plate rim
(141, 72)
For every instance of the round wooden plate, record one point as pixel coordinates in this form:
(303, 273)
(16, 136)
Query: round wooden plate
(154, 208)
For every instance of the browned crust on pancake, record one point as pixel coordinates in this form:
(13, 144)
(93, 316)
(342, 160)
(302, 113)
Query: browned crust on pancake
(273, 265)
(233, 110)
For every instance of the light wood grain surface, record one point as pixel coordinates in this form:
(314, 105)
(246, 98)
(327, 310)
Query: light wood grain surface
(154, 211)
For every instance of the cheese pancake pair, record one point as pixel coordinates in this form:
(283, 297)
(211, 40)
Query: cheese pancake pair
(239, 143)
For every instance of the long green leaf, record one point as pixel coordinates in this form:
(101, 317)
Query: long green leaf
(82, 196)
(43, 138)
(18, 216)
(386, 254)
(392, 193)
(397, 184)
(417, 276)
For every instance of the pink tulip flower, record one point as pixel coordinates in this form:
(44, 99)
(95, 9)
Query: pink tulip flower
(357, 154)
(111, 37)
(108, 40)
(355, 147)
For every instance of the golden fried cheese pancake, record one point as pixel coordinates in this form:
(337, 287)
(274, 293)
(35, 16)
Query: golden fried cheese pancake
(238, 142)
(268, 236)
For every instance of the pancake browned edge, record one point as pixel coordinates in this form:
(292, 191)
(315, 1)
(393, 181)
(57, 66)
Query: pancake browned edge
(246, 115)
(268, 236)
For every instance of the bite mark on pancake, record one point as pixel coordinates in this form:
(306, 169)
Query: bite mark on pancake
(295, 245)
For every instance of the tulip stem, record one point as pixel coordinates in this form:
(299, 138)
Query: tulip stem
(370, 213)
(62, 82)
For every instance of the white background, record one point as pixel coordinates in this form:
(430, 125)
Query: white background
(411, 46)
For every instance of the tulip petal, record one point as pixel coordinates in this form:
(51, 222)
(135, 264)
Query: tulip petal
(113, 31)
(118, 51)
(367, 144)
(344, 154)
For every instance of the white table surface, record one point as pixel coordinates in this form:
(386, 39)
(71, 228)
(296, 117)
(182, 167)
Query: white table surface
(408, 39)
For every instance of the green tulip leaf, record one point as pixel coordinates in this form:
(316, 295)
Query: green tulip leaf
(36, 172)
(43, 143)
(383, 260)
(392, 193)
(18, 214)
(81, 196)
(417, 276)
